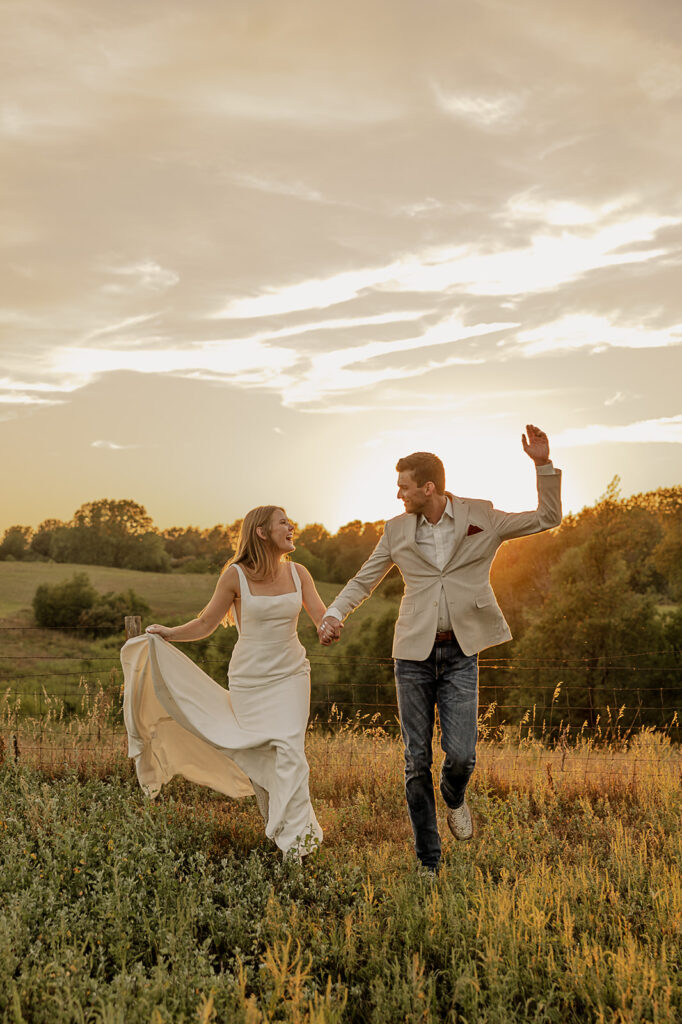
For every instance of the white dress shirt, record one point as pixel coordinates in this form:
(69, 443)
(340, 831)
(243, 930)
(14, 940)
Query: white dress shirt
(435, 541)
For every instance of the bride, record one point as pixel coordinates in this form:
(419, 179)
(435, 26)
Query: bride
(250, 738)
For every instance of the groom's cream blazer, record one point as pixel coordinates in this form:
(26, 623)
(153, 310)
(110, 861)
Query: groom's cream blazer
(475, 615)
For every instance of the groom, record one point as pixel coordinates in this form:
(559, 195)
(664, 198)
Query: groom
(444, 547)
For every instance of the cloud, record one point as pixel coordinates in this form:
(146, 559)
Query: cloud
(666, 430)
(548, 261)
(332, 324)
(482, 111)
(7, 384)
(307, 101)
(316, 293)
(295, 189)
(596, 333)
(16, 398)
(234, 359)
(147, 274)
(342, 370)
(302, 374)
(662, 81)
(22, 394)
(112, 446)
(560, 212)
(122, 325)
(18, 122)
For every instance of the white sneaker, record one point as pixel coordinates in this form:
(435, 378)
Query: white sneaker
(460, 823)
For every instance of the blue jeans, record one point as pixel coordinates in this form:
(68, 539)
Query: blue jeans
(447, 680)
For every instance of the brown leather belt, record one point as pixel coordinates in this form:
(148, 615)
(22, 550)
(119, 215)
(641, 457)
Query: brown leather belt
(446, 637)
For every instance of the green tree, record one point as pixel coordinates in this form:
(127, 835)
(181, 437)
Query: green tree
(195, 550)
(312, 550)
(147, 553)
(104, 529)
(41, 541)
(350, 547)
(15, 543)
(668, 556)
(588, 624)
(106, 532)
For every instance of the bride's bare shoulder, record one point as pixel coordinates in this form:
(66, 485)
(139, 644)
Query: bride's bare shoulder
(302, 572)
(229, 578)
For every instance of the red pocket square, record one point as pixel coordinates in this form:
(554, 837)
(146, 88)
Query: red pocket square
(474, 529)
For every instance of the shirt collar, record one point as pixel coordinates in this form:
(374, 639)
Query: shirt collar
(447, 511)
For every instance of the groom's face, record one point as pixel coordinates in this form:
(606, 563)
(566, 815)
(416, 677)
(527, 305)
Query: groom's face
(413, 497)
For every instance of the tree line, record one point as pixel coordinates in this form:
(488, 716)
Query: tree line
(120, 533)
(595, 605)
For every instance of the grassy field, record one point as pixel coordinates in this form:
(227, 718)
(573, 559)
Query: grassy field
(566, 907)
(168, 594)
(32, 659)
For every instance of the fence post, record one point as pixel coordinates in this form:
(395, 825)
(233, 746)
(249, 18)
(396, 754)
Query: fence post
(133, 624)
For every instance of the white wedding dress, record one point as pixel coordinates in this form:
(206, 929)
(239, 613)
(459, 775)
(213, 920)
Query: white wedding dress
(245, 740)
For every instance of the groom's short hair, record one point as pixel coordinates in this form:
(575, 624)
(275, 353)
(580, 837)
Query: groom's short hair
(424, 467)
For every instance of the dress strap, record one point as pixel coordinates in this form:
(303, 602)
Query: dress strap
(243, 580)
(297, 578)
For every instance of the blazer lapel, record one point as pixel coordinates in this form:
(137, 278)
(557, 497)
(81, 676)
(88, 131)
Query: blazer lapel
(460, 509)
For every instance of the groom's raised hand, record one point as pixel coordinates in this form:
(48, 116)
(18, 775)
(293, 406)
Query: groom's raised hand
(536, 445)
(329, 630)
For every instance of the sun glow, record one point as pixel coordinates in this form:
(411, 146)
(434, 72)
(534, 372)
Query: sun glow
(491, 465)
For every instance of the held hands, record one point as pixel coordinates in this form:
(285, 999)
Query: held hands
(329, 630)
(537, 445)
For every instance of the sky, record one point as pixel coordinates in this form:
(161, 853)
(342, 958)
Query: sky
(255, 252)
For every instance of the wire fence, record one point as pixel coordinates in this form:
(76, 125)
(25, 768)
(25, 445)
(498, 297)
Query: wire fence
(67, 708)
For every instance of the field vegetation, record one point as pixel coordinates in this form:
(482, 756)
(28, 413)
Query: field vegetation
(566, 907)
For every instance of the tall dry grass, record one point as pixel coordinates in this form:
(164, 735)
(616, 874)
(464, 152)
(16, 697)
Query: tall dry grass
(566, 907)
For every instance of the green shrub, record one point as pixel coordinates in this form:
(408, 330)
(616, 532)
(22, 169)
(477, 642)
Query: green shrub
(109, 610)
(63, 604)
(76, 603)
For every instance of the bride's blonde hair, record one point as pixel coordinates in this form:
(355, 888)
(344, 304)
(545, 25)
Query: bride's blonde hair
(257, 556)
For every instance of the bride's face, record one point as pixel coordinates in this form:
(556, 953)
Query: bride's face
(281, 532)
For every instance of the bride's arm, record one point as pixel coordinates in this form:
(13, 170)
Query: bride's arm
(312, 602)
(227, 589)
